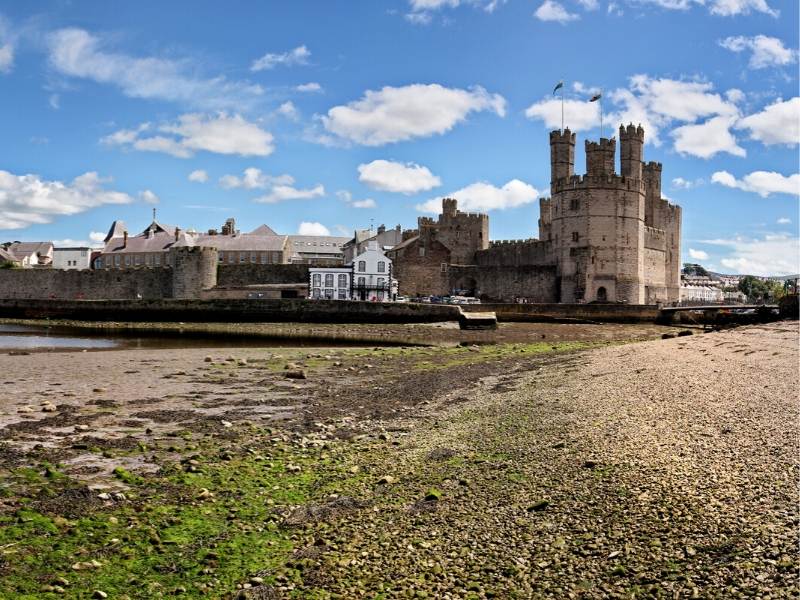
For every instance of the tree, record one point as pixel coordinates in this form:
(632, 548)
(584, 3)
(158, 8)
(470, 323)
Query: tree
(694, 269)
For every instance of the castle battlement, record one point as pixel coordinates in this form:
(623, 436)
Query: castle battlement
(495, 243)
(606, 182)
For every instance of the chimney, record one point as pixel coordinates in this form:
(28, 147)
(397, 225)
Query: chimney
(382, 229)
(124, 239)
(177, 233)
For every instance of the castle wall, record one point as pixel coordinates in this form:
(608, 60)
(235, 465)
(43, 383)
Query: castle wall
(238, 275)
(194, 269)
(112, 284)
(462, 233)
(507, 283)
(508, 253)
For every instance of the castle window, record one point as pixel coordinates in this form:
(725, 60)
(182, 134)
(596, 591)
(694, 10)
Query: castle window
(574, 204)
(422, 251)
(576, 237)
(444, 267)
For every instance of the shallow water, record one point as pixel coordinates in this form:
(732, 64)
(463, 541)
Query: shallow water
(30, 338)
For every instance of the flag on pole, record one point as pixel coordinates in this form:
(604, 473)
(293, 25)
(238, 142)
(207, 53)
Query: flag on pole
(559, 85)
(595, 97)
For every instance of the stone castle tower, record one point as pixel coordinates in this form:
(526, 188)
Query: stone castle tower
(613, 237)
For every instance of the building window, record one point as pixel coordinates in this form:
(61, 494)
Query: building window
(316, 293)
(158, 260)
(380, 296)
(362, 266)
(380, 282)
(576, 237)
(329, 280)
(253, 257)
(317, 279)
(328, 294)
(242, 257)
(128, 260)
(263, 258)
(381, 266)
(574, 204)
(342, 294)
(138, 259)
(342, 280)
(422, 251)
(221, 257)
(444, 267)
(361, 282)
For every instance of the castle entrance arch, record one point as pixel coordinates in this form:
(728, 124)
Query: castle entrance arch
(602, 295)
(466, 286)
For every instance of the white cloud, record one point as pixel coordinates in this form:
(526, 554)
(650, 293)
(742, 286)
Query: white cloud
(97, 236)
(312, 228)
(762, 183)
(282, 192)
(723, 8)
(149, 196)
(775, 254)
(784, 221)
(679, 183)
(220, 134)
(198, 176)
(298, 56)
(735, 95)
(697, 254)
(77, 53)
(27, 199)
(70, 243)
(589, 4)
(6, 58)
(289, 110)
(579, 115)
(482, 196)
(550, 10)
(254, 179)
(347, 197)
(54, 101)
(311, 86)
(708, 139)
(421, 10)
(778, 123)
(652, 102)
(765, 51)
(389, 176)
(394, 114)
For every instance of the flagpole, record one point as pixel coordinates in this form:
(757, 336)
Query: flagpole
(562, 108)
(601, 113)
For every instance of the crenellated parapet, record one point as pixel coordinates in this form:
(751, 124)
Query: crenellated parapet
(516, 253)
(600, 156)
(609, 182)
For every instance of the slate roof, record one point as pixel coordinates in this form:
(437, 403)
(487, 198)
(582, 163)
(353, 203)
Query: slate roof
(22, 249)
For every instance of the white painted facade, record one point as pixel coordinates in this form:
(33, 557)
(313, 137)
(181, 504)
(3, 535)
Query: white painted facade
(72, 258)
(700, 293)
(368, 278)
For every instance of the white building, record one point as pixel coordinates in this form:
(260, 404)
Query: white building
(368, 277)
(31, 254)
(700, 294)
(72, 258)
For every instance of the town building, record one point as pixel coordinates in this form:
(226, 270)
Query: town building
(320, 250)
(367, 277)
(385, 238)
(700, 294)
(30, 254)
(603, 237)
(72, 258)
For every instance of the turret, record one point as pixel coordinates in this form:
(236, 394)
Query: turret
(600, 157)
(651, 175)
(562, 154)
(631, 142)
(449, 207)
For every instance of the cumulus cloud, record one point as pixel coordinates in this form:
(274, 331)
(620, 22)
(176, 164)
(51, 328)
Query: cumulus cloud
(422, 10)
(655, 103)
(394, 114)
(778, 123)
(254, 179)
(312, 228)
(298, 56)
(311, 86)
(762, 183)
(697, 254)
(28, 199)
(289, 110)
(774, 254)
(149, 196)
(286, 191)
(77, 53)
(550, 10)
(7, 43)
(220, 134)
(482, 196)
(679, 183)
(347, 197)
(389, 176)
(198, 176)
(97, 236)
(707, 139)
(784, 221)
(765, 51)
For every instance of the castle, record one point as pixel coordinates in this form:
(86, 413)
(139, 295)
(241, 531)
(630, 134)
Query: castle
(603, 237)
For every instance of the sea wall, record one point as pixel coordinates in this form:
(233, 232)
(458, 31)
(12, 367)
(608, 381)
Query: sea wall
(601, 313)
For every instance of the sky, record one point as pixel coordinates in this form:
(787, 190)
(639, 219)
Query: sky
(324, 117)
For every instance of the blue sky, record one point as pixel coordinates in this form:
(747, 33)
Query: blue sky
(320, 116)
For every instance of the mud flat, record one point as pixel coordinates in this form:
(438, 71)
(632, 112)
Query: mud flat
(564, 468)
